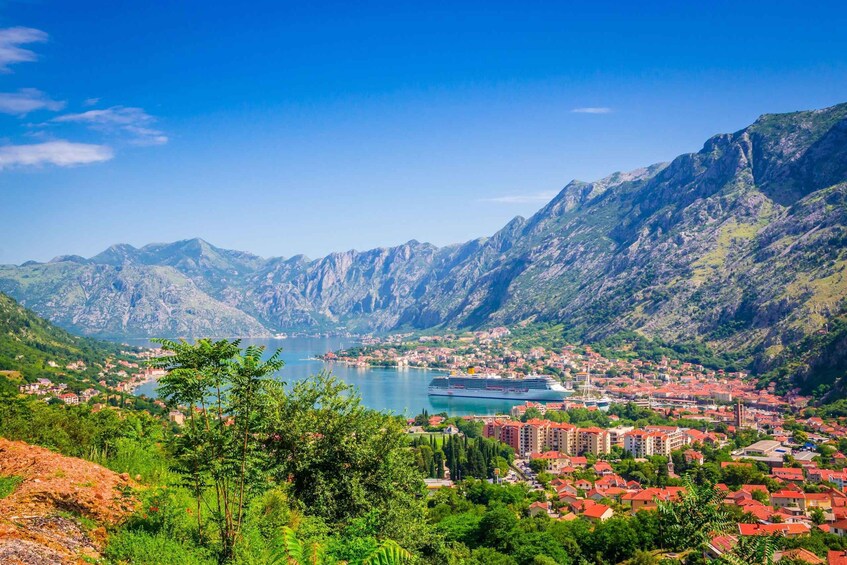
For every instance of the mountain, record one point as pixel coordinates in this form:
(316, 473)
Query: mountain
(28, 343)
(740, 245)
(123, 293)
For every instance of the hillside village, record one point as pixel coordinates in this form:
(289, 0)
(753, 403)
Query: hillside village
(778, 475)
(116, 377)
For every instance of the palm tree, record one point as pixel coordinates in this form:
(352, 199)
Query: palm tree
(292, 551)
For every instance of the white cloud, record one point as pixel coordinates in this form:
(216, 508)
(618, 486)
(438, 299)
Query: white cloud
(119, 119)
(90, 101)
(59, 153)
(521, 198)
(11, 39)
(27, 100)
(592, 110)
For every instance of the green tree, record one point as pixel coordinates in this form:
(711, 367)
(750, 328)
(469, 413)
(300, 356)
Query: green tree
(342, 461)
(226, 392)
(497, 527)
(751, 550)
(692, 520)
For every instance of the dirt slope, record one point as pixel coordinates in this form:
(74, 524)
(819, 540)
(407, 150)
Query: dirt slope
(59, 511)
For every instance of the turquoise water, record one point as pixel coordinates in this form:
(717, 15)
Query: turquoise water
(402, 391)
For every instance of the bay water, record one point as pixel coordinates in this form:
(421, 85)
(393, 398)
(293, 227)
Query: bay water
(402, 391)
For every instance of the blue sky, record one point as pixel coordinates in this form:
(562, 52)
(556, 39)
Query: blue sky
(283, 128)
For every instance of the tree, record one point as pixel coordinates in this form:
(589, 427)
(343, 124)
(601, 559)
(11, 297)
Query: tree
(615, 539)
(226, 392)
(799, 436)
(751, 550)
(817, 515)
(531, 413)
(538, 465)
(761, 496)
(692, 520)
(342, 461)
(497, 527)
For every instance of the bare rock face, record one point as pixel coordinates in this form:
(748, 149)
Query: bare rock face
(740, 246)
(60, 510)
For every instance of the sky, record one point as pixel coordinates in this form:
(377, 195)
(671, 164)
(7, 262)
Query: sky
(309, 127)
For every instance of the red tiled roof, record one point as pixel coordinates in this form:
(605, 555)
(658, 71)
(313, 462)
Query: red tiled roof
(596, 511)
(770, 529)
(801, 554)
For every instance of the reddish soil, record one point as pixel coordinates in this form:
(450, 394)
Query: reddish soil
(60, 511)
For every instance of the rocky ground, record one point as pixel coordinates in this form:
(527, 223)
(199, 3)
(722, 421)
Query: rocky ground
(61, 509)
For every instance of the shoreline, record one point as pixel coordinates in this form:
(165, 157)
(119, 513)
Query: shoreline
(372, 366)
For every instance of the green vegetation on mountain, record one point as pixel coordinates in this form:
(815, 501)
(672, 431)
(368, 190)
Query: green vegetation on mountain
(28, 345)
(736, 253)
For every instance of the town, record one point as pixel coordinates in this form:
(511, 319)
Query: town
(112, 382)
(664, 382)
(777, 475)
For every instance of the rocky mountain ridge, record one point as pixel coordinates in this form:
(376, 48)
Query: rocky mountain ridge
(740, 245)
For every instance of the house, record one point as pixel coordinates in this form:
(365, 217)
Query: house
(599, 512)
(836, 557)
(789, 474)
(647, 498)
(795, 555)
(595, 495)
(579, 462)
(569, 499)
(790, 501)
(603, 468)
(581, 505)
(554, 461)
(720, 545)
(69, 398)
(765, 448)
(822, 500)
(539, 507)
(583, 484)
(787, 530)
(692, 456)
(838, 528)
(753, 488)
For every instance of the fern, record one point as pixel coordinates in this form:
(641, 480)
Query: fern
(388, 553)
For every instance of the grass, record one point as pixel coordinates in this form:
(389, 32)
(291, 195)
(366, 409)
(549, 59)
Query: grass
(731, 233)
(12, 375)
(85, 522)
(144, 548)
(9, 484)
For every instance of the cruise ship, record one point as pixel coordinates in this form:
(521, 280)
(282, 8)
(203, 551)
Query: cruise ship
(533, 387)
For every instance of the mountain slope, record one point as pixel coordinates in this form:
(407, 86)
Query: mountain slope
(128, 299)
(740, 245)
(28, 343)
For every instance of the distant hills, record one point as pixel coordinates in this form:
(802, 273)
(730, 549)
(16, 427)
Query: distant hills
(740, 245)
